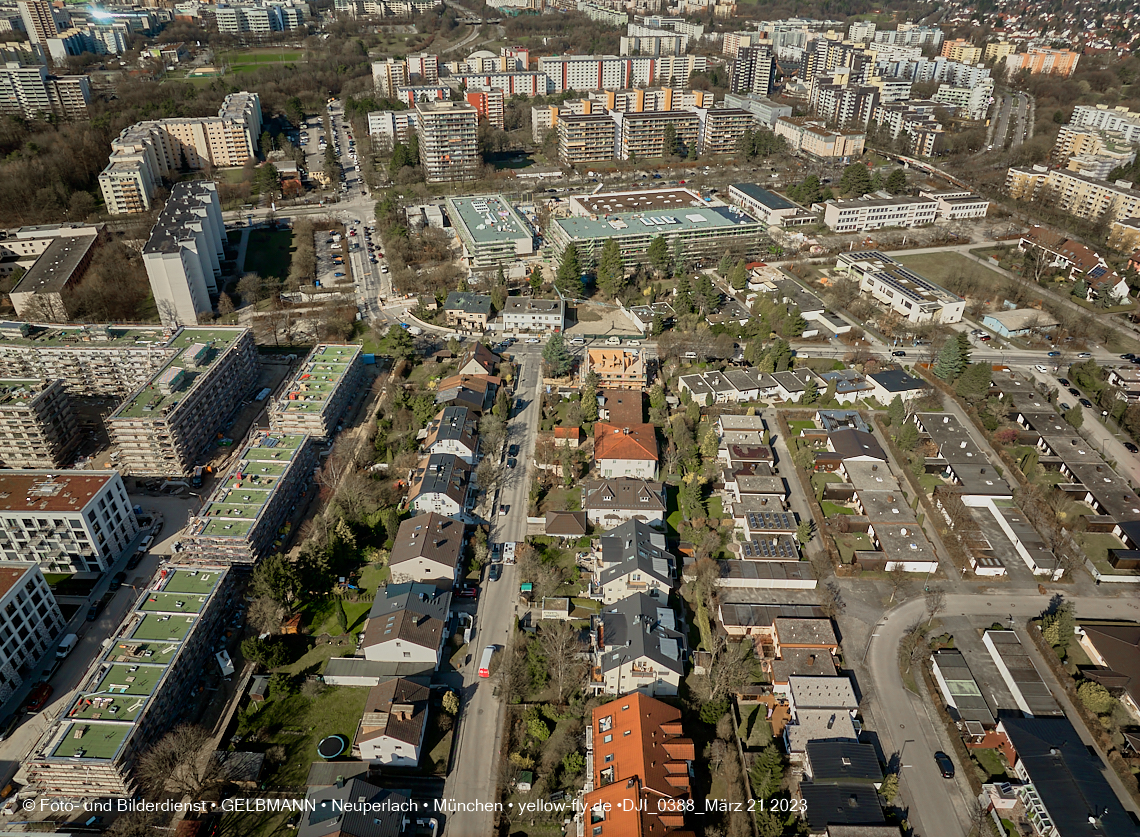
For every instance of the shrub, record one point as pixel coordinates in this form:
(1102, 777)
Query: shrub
(573, 763)
(1096, 698)
(713, 710)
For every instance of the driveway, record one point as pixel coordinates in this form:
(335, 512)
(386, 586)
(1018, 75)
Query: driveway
(474, 776)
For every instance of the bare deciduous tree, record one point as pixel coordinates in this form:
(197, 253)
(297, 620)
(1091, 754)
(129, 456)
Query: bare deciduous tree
(935, 603)
(179, 764)
(265, 615)
(562, 647)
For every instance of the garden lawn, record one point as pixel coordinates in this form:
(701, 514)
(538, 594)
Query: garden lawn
(991, 762)
(269, 253)
(715, 507)
(850, 543)
(1096, 546)
(802, 424)
(942, 267)
(298, 724)
(831, 509)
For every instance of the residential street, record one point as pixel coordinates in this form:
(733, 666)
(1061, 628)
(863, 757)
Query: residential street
(937, 806)
(474, 776)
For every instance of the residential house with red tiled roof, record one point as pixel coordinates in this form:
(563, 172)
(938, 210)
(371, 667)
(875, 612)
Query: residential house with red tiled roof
(567, 437)
(625, 451)
(391, 731)
(639, 764)
(1080, 262)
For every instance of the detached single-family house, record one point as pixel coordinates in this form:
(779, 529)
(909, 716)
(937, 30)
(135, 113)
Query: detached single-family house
(355, 808)
(391, 731)
(407, 624)
(453, 430)
(1115, 649)
(477, 359)
(633, 560)
(440, 484)
(790, 386)
(637, 648)
(567, 437)
(467, 311)
(609, 503)
(892, 382)
(625, 451)
(427, 548)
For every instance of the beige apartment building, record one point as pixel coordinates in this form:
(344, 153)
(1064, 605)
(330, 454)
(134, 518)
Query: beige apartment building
(1074, 193)
(1124, 235)
(37, 425)
(449, 149)
(586, 138)
(166, 426)
(722, 129)
(146, 152)
(813, 137)
(998, 50)
(961, 50)
(643, 134)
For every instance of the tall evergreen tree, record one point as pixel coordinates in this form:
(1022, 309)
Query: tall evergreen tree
(611, 270)
(948, 365)
(896, 183)
(658, 254)
(738, 277)
(856, 180)
(569, 276)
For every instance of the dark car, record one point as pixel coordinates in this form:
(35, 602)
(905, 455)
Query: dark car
(898, 354)
(1064, 381)
(1131, 448)
(95, 609)
(469, 591)
(512, 462)
(1075, 392)
(134, 560)
(513, 450)
(117, 581)
(1086, 403)
(39, 697)
(1054, 354)
(945, 765)
(8, 725)
(496, 572)
(1065, 407)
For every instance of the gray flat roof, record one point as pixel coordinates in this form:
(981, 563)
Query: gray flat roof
(56, 264)
(763, 197)
(488, 218)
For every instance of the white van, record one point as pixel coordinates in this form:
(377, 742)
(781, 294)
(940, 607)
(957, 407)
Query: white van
(66, 646)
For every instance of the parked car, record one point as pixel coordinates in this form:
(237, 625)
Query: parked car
(503, 510)
(8, 725)
(495, 572)
(39, 697)
(1084, 402)
(512, 462)
(513, 450)
(1042, 369)
(898, 354)
(1074, 392)
(1065, 407)
(945, 765)
(1131, 448)
(985, 338)
(117, 581)
(468, 591)
(1063, 381)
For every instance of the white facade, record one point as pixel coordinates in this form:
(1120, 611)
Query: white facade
(29, 620)
(42, 523)
(645, 469)
(876, 213)
(388, 76)
(535, 316)
(957, 205)
(1108, 119)
(183, 255)
(973, 101)
(905, 292)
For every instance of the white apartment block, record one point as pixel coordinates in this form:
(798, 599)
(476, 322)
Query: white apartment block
(39, 20)
(262, 19)
(636, 30)
(911, 34)
(65, 521)
(388, 127)
(933, 69)
(423, 68)
(509, 82)
(973, 102)
(30, 619)
(911, 296)
(30, 92)
(448, 146)
(655, 45)
(875, 213)
(143, 154)
(606, 72)
(388, 76)
(1108, 119)
(183, 256)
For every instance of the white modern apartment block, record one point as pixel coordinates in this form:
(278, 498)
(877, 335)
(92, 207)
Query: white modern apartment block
(31, 91)
(423, 68)
(388, 127)
(143, 154)
(911, 34)
(875, 213)
(613, 72)
(65, 521)
(29, 620)
(958, 205)
(913, 297)
(184, 252)
(260, 19)
(1108, 119)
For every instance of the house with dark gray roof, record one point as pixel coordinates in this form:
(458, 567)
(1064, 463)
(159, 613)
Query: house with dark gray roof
(427, 548)
(610, 502)
(453, 430)
(440, 484)
(633, 560)
(841, 803)
(850, 444)
(841, 762)
(467, 311)
(355, 808)
(891, 382)
(1064, 790)
(407, 623)
(637, 647)
(964, 699)
(391, 730)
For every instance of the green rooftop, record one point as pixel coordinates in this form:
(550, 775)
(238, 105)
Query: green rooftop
(92, 336)
(197, 349)
(91, 740)
(488, 218)
(121, 695)
(173, 603)
(244, 492)
(162, 627)
(655, 222)
(192, 581)
(157, 653)
(318, 378)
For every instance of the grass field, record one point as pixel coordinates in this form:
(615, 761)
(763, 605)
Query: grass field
(254, 57)
(269, 253)
(942, 267)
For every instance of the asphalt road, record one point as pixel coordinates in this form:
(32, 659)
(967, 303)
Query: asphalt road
(474, 776)
(938, 807)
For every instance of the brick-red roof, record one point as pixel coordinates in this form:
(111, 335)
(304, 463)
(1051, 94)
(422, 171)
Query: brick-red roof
(635, 442)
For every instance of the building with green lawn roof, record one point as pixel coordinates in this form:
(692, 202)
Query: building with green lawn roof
(316, 398)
